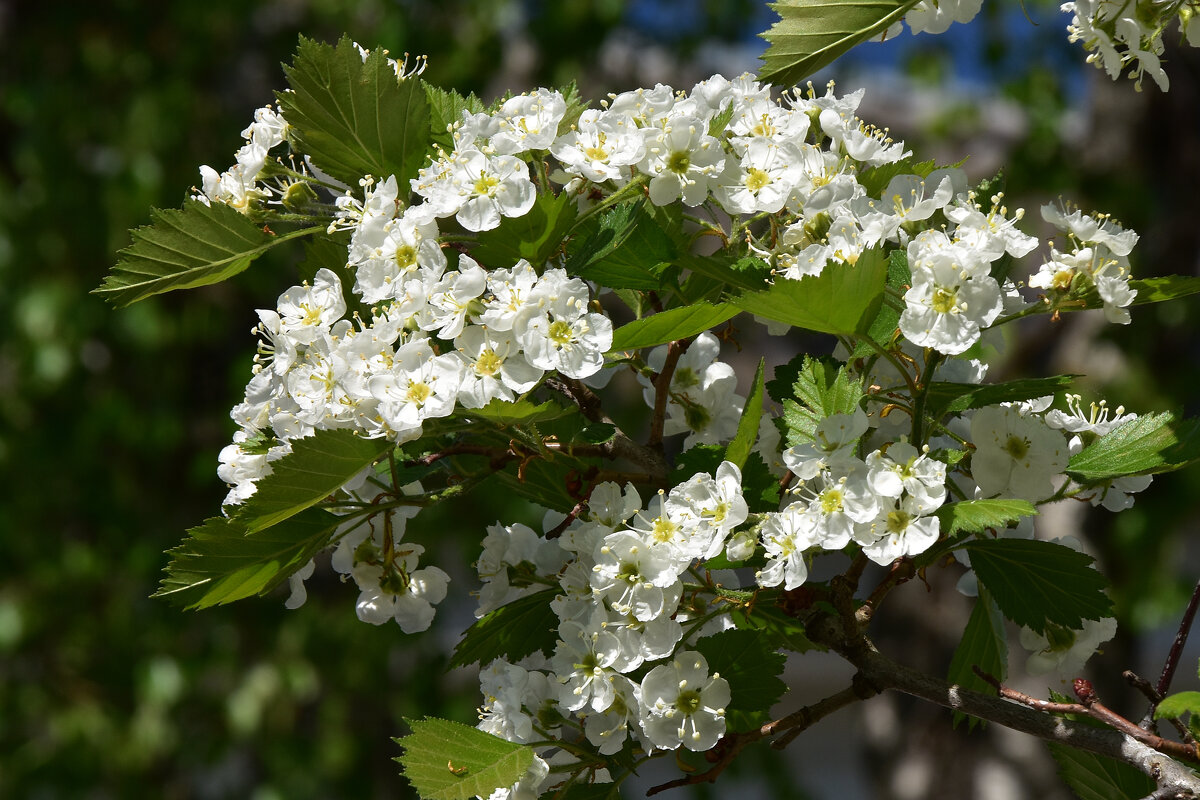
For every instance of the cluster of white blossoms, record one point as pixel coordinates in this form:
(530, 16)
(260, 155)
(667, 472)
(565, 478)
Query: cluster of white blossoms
(1120, 34)
(623, 665)
(431, 327)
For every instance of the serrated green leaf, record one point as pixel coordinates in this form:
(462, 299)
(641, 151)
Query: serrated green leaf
(1176, 705)
(353, 117)
(976, 516)
(324, 252)
(747, 430)
(187, 247)
(947, 398)
(822, 388)
(447, 760)
(1095, 777)
(810, 35)
(843, 299)
(783, 631)
(219, 563)
(749, 661)
(1149, 290)
(317, 467)
(521, 412)
(984, 644)
(1036, 582)
(629, 250)
(694, 460)
(541, 481)
(513, 631)
(886, 322)
(760, 486)
(670, 326)
(1150, 444)
(534, 236)
(445, 109)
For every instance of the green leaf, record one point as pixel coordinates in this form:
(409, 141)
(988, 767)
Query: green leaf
(447, 760)
(353, 118)
(694, 460)
(1168, 287)
(317, 467)
(535, 236)
(822, 388)
(783, 630)
(521, 412)
(325, 251)
(884, 326)
(948, 398)
(513, 631)
(749, 661)
(1096, 777)
(875, 179)
(747, 430)
(1176, 705)
(1149, 444)
(811, 34)
(977, 516)
(844, 299)
(760, 486)
(219, 563)
(672, 325)
(187, 247)
(628, 250)
(1035, 583)
(984, 645)
(445, 109)
(542, 481)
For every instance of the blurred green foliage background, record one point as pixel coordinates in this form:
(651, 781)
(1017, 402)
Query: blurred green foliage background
(111, 420)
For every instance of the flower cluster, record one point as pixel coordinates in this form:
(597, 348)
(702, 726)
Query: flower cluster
(437, 330)
(1118, 34)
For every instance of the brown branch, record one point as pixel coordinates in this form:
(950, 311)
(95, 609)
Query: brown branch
(662, 390)
(1150, 693)
(796, 722)
(884, 673)
(1185, 627)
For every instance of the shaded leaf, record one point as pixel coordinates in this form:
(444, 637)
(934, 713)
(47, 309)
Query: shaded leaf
(317, 467)
(749, 661)
(219, 563)
(513, 631)
(1096, 777)
(353, 117)
(812, 33)
(521, 412)
(886, 322)
(628, 250)
(187, 247)
(947, 398)
(984, 645)
(1036, 582)
(447, 760)
(534, 236)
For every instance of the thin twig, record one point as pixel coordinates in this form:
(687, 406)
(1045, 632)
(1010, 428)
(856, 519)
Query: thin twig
(662, 390)
(1185, 627)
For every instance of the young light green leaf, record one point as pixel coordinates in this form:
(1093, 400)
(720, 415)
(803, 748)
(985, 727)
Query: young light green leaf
(812, 33)
(445, 109)
(669, 326)
(1176, 705)
(317, 467)
(1095, 777)
(747, 430)
(1036, 582)
(524, 626)
(947, 398)
(976, 516)
(187, 247)
(752, 665)
(447, 760)
(534, 236)
(219, 563)
(984, 645)
(822, 388)
(353, 117)
(844, 299)
(1149, 444)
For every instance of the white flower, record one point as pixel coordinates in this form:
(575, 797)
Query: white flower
(682, 160)
(556, 330)
(634, 577)
(306, 311)
(902, 530)
(785, 536)
(1064, 651)
(602, 146)
(1015, 456)
(682, 704)
(952, 296)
